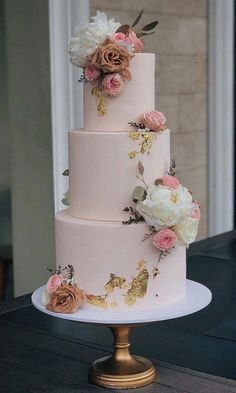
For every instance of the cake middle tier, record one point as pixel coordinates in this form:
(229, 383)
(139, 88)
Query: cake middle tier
(103, 177)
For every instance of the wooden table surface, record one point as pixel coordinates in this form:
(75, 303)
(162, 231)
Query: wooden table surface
(193, 354)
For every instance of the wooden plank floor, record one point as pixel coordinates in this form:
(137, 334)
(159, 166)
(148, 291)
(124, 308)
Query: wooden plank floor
(43, 354)
(33, 361)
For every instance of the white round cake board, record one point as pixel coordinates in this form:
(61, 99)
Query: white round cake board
(197, 297)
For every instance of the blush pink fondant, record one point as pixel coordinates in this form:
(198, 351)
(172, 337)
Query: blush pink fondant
(136, 97)
(97, 249)
(102, 177)
(90, 235)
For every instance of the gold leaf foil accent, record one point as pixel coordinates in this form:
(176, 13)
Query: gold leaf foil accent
(101, 104)
(98, 301)
(114, 303)
(141, 264)
(132, 154)
(145, 145)
(115, 281)
(134, 135)
(138, 287)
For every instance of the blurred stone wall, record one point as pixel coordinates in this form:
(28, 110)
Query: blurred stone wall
(180, 44)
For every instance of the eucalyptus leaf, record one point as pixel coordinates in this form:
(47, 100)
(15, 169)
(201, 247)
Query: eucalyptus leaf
(139, 194)
(138, 18)
(150, 26)
(142, 34)
(66, 172)
(65, 200)
(140, 168)
(123, 29)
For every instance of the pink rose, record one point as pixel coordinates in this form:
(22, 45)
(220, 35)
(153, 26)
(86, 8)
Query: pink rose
(136, 43)
(53, 283)
(164, 239)
(170, 181)
(196, 211)
(112, 84)
(119, 36)
(154, 120)
(130, 39)
(91, 73)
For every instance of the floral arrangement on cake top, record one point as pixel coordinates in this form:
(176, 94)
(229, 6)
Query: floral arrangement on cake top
(104, 49)
(145, 132)
(169, 210)
(62, 294)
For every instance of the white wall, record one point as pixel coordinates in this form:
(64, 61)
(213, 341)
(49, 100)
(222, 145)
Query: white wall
(30, 124)
(5, 164)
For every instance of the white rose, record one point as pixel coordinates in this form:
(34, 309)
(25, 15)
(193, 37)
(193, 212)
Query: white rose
(186, 230)
(165, 207)
(45, 297)
(90, 37)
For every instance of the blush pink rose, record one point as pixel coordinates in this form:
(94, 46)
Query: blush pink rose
(53, 283)
(196, 211)
(170, 181)
(130, 39)
(154, 120)
(136, 43)
(112, 84)
(119, 36)
(164, 239)
(91, 73)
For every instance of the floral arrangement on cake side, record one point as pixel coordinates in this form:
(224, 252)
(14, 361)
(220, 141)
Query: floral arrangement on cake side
(104, 49)
(168, 208)
(62, 294)
(145, 132)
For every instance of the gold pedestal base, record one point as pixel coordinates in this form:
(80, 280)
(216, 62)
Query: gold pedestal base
(122, 370)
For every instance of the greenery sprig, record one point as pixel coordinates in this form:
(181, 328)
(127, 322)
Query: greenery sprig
(82, 78)
(134, 218)
(171, 171)
(140, 31)
(140, 126)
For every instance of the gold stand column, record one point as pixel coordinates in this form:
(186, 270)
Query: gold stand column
(122, 370)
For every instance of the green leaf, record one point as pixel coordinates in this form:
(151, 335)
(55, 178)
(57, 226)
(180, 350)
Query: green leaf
(150, 26)
(138, 18)
(140, 168)
(123, 29)
(142, 34)
(139, 194)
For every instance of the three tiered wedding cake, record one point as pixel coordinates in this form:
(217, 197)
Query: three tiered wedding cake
(121, 244)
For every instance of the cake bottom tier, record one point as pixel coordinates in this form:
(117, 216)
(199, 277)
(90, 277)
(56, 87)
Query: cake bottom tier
(115, 267)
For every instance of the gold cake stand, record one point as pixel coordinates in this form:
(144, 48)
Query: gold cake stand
(122, 370)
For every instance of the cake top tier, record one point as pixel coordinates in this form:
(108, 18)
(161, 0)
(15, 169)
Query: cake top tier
(110, 55)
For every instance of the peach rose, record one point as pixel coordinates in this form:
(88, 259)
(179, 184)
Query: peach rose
(111, 57)
(196, 211)
(112, 84)
(164, 239)
(170, 181)
(154, 120)
(53, 283)
(66, 299)
(91, 73)
(136, 43)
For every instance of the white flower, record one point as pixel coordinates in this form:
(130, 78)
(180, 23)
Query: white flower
(90, 37)
(165, 207)
(186, 230)
(45, 297)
